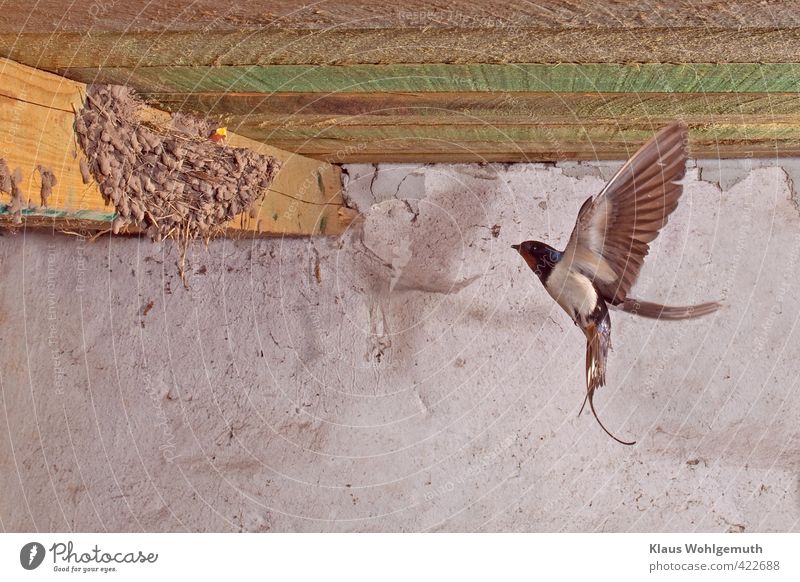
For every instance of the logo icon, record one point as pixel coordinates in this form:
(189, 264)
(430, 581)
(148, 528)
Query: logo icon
(31, 555)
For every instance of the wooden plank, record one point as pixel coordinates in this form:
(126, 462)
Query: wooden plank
(36, 129)
(352, 80)
(609, 133)
(391, 46)
(535, 112)
(534, 143)
(52, 34)
(474, 77)
(286, 110)
(182, 15)
(500, 126)
(527, 152)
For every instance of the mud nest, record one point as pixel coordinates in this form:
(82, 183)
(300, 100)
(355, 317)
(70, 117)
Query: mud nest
(172, 182)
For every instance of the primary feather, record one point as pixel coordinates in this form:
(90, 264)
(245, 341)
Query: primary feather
(613, 231)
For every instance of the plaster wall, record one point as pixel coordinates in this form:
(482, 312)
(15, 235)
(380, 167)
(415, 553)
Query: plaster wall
(410, 376)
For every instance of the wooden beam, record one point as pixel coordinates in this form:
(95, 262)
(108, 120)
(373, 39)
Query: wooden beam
(538, 144)
(188, 15)
(52, 34)
(536, 112)
(474, 77)
(349, 80)
(410, 45)
(321, 109)
(37, 115)
(361, 126)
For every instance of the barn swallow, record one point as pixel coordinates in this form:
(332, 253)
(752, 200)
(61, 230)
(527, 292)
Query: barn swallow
(607, 247)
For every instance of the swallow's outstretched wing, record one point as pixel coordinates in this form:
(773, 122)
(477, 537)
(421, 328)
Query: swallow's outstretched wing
(613, 230)
(598, 341)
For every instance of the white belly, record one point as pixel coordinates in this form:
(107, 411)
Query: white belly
(573, 291)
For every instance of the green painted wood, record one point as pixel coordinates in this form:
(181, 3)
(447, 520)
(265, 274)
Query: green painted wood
(60, 213)
(356, 80)
(560, 78)
(320, 110)
(465, 112)
(476, 126)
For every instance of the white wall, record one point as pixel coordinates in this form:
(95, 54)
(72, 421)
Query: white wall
(412, 376)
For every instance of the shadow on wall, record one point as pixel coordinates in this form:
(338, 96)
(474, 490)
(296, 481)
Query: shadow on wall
(433, 241)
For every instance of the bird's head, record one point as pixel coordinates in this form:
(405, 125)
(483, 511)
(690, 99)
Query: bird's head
(539, 256)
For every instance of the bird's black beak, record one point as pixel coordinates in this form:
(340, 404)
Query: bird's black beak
(515, 247)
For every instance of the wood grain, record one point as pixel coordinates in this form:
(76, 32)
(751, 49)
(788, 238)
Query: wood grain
(322, 110)
(37, 114)
(484, 111)
(65, 50)
(536, 143)
(500, 126)
(88, 33)
(350, 80)
(182, 15)
(187, 15)
(474, 77)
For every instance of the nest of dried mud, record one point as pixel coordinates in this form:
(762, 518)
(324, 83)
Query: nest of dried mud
(171, 182)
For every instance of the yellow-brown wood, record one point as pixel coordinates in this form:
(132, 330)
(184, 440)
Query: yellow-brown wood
(37, 115)
(500, 126)
(477, 112)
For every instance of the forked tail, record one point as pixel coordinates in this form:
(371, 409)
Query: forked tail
(598, 340)
(656, 311)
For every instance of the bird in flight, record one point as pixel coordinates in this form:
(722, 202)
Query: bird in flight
(607, 248)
